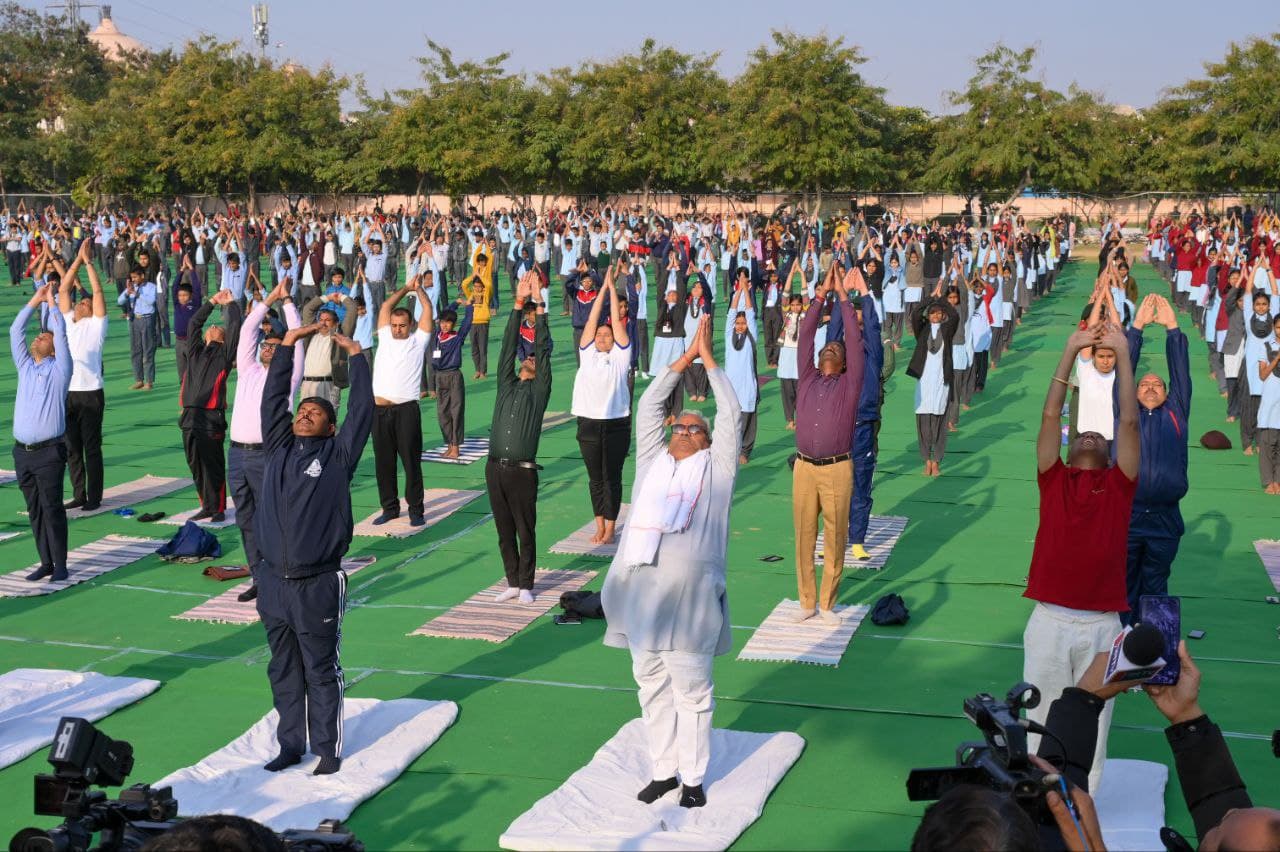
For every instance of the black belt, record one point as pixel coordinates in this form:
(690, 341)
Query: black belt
(317, 378)
(38, 445)
(241, 445)
(823, 462)
(513, 463)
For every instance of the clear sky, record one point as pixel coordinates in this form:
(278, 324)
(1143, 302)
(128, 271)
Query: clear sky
(1129, 52)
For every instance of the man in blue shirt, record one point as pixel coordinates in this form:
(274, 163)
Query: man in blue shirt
(39, 421)
(139, 301)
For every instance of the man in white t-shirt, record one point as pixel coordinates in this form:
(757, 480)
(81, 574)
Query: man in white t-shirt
(86, 336)
(397, 421)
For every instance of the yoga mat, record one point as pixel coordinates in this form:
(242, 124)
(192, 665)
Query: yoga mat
(9, 535)
(7, 476)
(597, 807)
(470, 450)
(479, 617)
(883, 532)
(132, 493)
(84, 563)
(579, 543)
(552, 419)
(782, 639)
(1130, 804)
(379, 740)
(437, 504)
(1269, 553)
(764, 380)
(225, 609)
(182, 517)
(33, 700)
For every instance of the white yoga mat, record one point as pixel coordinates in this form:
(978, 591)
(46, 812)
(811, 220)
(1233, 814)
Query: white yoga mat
(1130, 803)
(782, 639)
(84, 563)
(1269, 553)
(470, 450)
(552, 419)
(578, 542)
(597, 807)
(182, 517)
(437, 504)
(9, 535)
(380, 739)
(883, 532)
(32, 701)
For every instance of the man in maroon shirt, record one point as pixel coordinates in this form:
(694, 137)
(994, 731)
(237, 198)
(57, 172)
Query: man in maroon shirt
(1077, 576)
(822, 480)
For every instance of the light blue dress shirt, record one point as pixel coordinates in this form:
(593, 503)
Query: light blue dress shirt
(39, 411)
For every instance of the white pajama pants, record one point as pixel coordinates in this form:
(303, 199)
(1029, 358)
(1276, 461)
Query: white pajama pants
(1058, 645)
(676, 704)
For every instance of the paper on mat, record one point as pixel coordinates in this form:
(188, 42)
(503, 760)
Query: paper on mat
(1130, 804)
(380, 739)
(32, 701)
(597, 807)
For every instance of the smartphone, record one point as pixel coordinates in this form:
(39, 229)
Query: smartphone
(1165, 613)
(567, 619)
(1196, 634)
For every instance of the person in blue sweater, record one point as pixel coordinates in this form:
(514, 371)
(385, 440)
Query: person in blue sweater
(446, 365)
(305, 523)
(580, 290)
(1155, 527)
(866, 431)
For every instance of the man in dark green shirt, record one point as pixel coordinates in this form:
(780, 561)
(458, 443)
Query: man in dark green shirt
(512, 472)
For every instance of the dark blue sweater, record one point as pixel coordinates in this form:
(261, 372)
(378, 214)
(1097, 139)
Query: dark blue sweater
(1162, 472)
(873, 347)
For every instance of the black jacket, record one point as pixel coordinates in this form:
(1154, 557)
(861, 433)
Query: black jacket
(950, 325)
(208, 368)
(304, 518)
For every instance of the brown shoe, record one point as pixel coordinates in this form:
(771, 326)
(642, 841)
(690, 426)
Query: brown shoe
(136, 386)
(148, 386)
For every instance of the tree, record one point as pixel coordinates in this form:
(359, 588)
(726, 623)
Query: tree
(801, 117)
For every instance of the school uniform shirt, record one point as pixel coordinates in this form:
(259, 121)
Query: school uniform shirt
(1257, 332)
(447, 352)
(933, 388)
(600, 389)
(1269, 404)
(892, 291)
(740, 360)
(1096, 411)
(85, 340)
(397, 371)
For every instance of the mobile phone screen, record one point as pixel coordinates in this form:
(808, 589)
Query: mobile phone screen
(1164, 612)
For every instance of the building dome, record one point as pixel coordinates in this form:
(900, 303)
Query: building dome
(113, 43)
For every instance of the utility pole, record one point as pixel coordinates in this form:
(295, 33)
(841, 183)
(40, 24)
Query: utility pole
(259, 27)
(73, 8)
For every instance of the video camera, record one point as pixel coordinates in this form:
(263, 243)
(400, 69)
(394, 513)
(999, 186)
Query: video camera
(84, 757)
(1001, 762)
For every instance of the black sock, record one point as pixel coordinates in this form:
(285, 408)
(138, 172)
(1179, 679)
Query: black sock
(283, 761)
(656, 790)
(692, 797)
(328, 766)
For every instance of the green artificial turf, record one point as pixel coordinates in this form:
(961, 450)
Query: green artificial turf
(526, 723)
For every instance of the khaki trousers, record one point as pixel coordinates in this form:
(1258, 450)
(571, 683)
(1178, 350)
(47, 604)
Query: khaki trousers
(820, 490)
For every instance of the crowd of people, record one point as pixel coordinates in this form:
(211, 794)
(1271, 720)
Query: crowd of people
(371, 310)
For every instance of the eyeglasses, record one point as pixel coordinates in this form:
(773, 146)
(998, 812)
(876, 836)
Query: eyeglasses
(691, 429)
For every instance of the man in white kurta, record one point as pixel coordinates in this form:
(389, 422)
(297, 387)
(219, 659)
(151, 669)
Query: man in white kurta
(664, 597)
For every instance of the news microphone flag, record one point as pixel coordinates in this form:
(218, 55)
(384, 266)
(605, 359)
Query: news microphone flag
(1135, 654)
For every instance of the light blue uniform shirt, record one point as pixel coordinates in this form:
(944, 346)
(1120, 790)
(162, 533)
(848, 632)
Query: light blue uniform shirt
(143, 302)
(40, 408)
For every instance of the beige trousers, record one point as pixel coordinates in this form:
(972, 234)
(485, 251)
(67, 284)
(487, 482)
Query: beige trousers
(820, 490)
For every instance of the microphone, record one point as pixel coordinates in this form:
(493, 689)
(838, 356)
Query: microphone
(1136, 654)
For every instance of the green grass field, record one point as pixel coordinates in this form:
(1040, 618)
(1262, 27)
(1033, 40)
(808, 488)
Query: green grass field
(536, 707)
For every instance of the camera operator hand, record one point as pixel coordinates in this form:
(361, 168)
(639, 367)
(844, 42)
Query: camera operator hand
(1181, 701)
(1089, 825)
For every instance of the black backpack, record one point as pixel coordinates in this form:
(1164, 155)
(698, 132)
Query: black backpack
(582, 604)
(890, 609)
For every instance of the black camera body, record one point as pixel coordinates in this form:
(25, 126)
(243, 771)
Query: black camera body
(82, 756)
(1000, 762)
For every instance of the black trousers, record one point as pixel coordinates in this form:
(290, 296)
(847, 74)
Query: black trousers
(696, 382)
(980, 362)
(789, 387)
(451, 405)
(480, 346)
(604, 445)
(208, 466)
(84, 444)
(642, 340)
(244, 476)
(303, 620)
(772, 331)
(15, 268)
(40, 474)
(931, 430)
(513, 497)
(397, 437)
(749, 422)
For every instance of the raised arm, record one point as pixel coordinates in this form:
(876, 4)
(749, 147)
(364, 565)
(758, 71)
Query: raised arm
(620, 336)
(1049, 441)
(593, 319)
(356, 426)
(1127, 440)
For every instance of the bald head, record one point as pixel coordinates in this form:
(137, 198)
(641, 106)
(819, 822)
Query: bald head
(1245, 828)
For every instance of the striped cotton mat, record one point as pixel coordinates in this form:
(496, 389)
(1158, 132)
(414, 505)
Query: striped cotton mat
(437, 504)
(132, 493)
(8, 535)
(479, 617)
(1269, 553)
(782, 639)
(84, 563)
(578, 543)
(883, 533)
(225, 609)
(7, 476)
(552, 419)
(470, 450)
(182, 517)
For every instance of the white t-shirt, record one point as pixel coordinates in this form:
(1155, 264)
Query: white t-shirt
(600, 386)
(1097, 408)
(85, 339)
(397, 371)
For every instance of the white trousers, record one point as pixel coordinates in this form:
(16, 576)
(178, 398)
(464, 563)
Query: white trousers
(676, 704)
(1059, 644)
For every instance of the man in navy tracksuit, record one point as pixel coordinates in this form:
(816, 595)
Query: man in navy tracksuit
(866, 431)
(304, 527)
(1155, 528)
